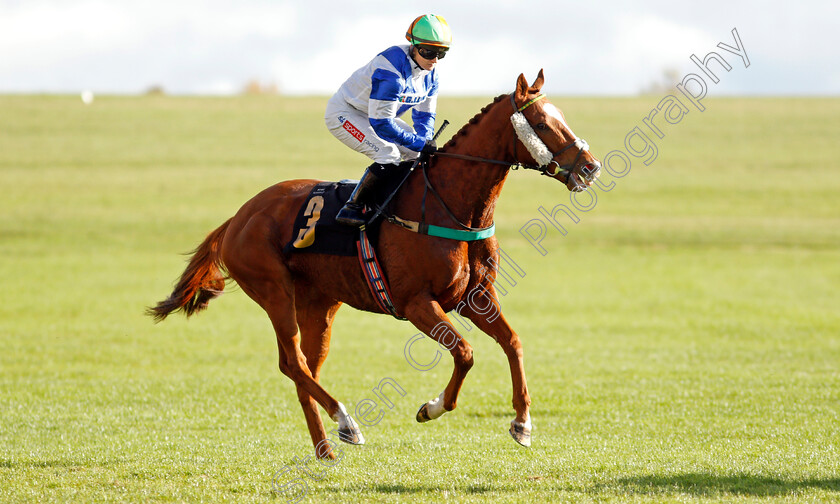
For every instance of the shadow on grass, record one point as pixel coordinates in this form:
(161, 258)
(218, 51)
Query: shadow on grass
(695, 484)
(10, 464)
(408, 489)
(703, 484)
(397, 488)
(491, 414)
(38, 463)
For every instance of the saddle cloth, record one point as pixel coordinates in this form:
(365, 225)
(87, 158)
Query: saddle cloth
(315, 230)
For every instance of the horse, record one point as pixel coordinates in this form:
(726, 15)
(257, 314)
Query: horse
(429, 275)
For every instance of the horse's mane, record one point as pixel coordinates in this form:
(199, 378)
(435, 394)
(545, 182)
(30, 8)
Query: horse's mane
(472, 122)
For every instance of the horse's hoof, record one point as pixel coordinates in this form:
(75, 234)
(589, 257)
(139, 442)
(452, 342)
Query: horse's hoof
(423, 413)
(432, 409)
(351, 434)
(521, 433)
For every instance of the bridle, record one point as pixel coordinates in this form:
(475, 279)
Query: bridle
(549, 166)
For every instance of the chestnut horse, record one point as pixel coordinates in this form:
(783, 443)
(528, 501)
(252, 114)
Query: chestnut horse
(429, 275)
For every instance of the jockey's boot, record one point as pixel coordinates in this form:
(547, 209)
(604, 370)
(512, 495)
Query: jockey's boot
(351, 213)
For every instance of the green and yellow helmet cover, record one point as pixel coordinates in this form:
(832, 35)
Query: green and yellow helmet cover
(430, 30)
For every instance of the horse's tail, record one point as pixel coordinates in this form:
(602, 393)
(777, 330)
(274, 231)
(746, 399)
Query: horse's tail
(203, 280)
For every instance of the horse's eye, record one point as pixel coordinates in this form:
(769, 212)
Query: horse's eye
(542, 126)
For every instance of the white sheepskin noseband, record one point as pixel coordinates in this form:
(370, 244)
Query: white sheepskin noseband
(528, 136)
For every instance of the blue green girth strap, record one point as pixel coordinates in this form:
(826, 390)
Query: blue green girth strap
(443, 232)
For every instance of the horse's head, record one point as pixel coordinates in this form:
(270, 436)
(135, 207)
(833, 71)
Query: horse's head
(542, 129)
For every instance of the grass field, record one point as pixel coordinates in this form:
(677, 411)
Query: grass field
(681, 341)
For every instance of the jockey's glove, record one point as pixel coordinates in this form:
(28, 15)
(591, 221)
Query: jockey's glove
(430, 148)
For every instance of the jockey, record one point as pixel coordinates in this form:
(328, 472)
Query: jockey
(364, 113)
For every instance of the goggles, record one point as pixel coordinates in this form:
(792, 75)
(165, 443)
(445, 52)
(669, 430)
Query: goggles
(431, 53)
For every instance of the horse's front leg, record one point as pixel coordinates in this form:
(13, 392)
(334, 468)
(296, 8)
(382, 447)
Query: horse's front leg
(427, 315)
(488, 317)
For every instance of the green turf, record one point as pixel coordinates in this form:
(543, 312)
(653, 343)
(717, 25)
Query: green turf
(681, 340)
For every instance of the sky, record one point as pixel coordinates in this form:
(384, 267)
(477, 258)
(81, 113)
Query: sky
(309, 47)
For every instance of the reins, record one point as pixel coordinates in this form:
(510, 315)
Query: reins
(466, 234)
(451, 215)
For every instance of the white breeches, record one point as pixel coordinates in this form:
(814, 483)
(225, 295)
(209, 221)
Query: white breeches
(354, 130)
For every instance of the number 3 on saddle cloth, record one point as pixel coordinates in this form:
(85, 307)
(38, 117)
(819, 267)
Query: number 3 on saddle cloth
(316, 232)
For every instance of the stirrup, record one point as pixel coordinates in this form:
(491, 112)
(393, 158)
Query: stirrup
(350, 216)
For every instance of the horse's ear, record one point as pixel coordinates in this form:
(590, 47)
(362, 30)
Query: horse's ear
(538, 84)
(521, 88)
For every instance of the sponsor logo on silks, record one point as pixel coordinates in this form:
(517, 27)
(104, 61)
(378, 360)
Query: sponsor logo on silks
(410, 98)
(358, 135)
(372, 146)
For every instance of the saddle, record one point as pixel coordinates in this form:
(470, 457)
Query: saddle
(316, 232)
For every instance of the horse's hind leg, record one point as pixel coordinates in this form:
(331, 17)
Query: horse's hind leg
(315, 321)
(493, 323)
(427, 315)
(279, 307)
(255, 265)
